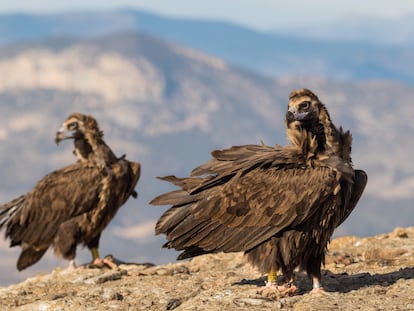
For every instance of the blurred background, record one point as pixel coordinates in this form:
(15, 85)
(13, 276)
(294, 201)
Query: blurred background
(169, 81)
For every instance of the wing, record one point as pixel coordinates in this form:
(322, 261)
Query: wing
(250, 207)
(225, 165)
(361, 179)
(119, 186)
(356, 190)
(127, 174)
(184, 183)
(241, 157)
(59, 196)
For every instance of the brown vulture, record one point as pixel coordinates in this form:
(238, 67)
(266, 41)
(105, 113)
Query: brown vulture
(72, 205)
(279, 205)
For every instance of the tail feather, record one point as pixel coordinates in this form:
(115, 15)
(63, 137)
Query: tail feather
(10, 210)
(28, 257)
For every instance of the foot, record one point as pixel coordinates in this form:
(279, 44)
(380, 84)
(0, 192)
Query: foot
(99, 263)
(318, 291)
(110, 261)
(71, 267)
(272, 289)
(317, 288)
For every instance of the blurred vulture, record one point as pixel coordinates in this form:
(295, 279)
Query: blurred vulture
(72, 205)
(279, 205)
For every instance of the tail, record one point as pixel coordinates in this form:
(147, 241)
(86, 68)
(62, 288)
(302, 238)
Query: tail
(9, 212)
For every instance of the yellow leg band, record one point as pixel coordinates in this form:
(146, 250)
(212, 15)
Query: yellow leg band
(272, 276)
(95, 253)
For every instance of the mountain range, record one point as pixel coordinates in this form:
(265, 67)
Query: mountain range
(167, 106)
(292, 52)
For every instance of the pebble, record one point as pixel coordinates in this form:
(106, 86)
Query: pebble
(111, 294)
(108, 276)
(249, 301)
(173, 303)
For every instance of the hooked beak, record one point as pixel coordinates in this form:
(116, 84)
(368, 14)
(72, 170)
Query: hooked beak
(62, 134)
(294, 115)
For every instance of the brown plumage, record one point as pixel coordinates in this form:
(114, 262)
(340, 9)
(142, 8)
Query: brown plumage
(279, 205)
(72, 205)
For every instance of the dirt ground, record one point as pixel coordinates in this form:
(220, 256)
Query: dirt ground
(374, 273)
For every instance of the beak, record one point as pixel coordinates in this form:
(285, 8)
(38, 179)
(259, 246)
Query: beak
(294, 115)
(62, 134)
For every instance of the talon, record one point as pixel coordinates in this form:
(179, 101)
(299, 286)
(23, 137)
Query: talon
(109, 261)
(272, 289)
(318, 291)
(98, 262)
(288, 289)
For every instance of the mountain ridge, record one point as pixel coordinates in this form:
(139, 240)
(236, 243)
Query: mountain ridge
(273, 54)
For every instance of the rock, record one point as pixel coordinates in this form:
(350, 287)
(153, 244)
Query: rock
(173, 303)
(378, 254)
(111, 294)
(399, 233)
(108, 276)
(373, 273)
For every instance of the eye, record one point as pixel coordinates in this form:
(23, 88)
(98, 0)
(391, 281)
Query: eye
(304, 105)
(72, 126)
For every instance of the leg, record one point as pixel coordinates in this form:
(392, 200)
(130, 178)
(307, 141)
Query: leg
(314, 271)
(271, 277)
(72, 265)
(93, 246)
(97, 261)
(317, 288)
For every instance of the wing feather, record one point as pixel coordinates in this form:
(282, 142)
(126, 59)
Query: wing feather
(358, 186)
(248, 209)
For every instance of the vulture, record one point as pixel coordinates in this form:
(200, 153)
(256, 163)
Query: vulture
(72, 205)
(278, 204)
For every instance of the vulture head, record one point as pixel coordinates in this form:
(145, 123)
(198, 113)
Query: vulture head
(78, 126)
(83, 130)
(308, 121)
(304, 107)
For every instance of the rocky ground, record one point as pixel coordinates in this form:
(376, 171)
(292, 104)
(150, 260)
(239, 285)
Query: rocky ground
(374, 273)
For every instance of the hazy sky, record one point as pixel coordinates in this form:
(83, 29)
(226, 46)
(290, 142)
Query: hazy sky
(261, 14)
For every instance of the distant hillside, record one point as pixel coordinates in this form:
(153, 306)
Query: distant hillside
(274, 54)
(397, 31)
(168, 106)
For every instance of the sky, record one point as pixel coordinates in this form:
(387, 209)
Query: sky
(259, 14)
